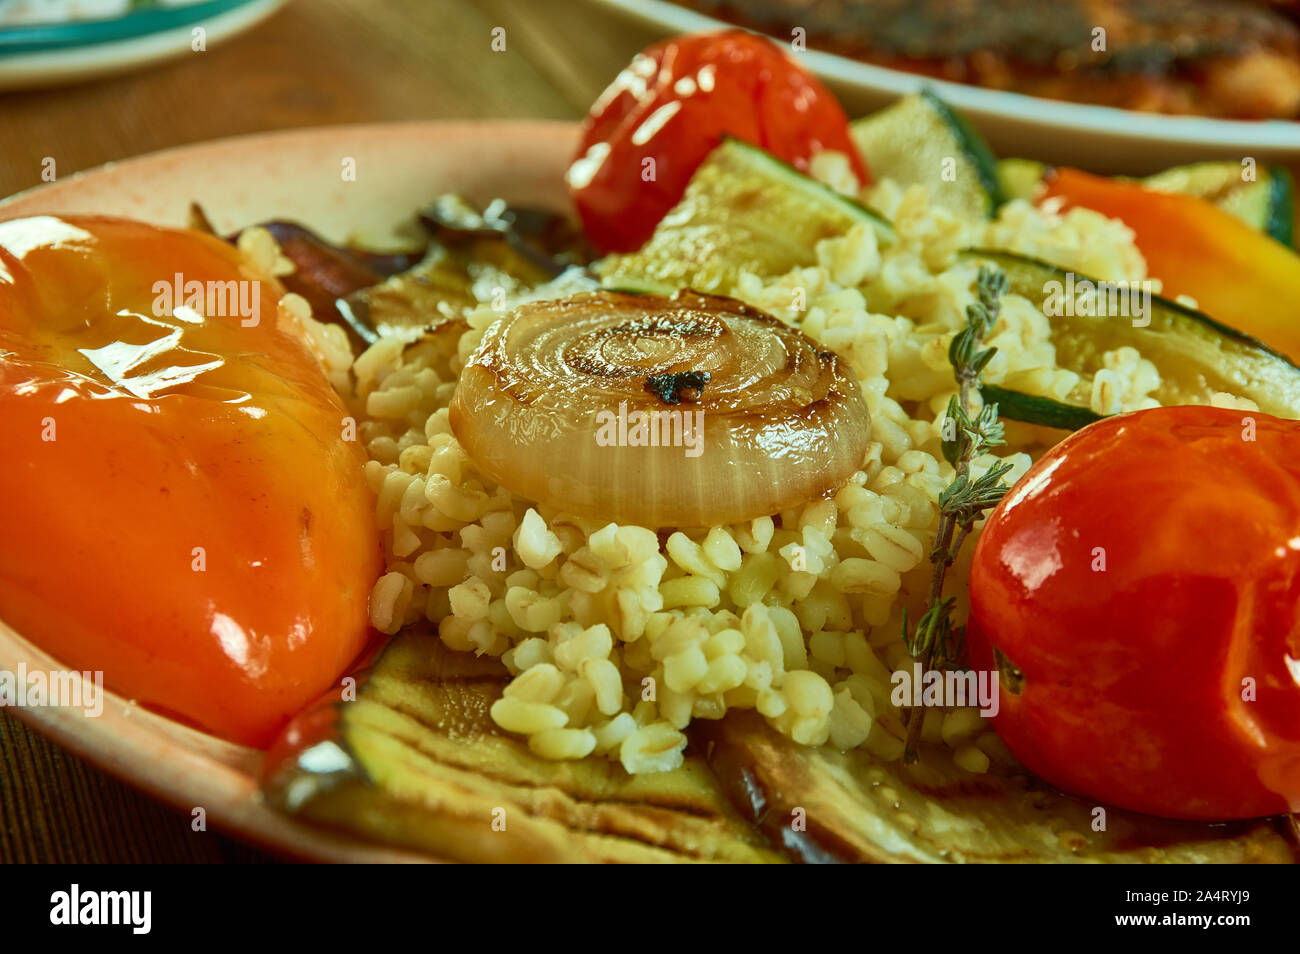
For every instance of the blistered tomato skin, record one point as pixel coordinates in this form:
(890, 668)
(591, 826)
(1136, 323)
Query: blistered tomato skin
(1139, 590)
(663, 114)
(181, 508)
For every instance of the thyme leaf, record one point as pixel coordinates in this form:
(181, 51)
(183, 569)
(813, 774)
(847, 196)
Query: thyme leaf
(937, 641)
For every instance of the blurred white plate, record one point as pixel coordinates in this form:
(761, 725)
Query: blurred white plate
(1100, 138)
(76, 63)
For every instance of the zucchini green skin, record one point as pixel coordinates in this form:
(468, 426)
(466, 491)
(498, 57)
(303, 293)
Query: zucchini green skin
(1033, 409)
(1281, 220)
(975, 147)
(1019, 178)
(1194, 354)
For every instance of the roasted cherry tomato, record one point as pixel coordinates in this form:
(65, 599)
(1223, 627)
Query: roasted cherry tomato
(183, 507)
(651, 129)
(1139, 591)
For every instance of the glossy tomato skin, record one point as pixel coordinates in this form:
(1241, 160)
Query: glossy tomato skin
(182, 509)
(673, 104)
(1141, 577)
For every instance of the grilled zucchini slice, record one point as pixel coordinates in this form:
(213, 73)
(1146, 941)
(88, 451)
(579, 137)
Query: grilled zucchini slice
(920, 141)
(743, 210)
(1194, 354)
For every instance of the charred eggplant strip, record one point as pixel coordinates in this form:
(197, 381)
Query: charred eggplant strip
(545, 240)
(416, 761)
(854, 807)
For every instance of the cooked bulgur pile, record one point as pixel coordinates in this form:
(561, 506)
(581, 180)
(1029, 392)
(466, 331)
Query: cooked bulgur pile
(619, 636)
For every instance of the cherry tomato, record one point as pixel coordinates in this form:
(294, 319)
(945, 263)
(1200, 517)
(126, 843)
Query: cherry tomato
(183, 509)
(1139, 591)
(654, 125)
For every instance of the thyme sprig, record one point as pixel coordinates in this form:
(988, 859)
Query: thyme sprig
(936, 642)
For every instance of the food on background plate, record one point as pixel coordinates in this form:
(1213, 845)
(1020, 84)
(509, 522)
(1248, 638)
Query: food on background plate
(1237, 60)
(641, 652)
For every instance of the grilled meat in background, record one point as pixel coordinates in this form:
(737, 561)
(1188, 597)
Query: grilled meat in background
(1223, 58)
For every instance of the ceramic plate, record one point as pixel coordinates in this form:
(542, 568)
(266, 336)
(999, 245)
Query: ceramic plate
(294, 175)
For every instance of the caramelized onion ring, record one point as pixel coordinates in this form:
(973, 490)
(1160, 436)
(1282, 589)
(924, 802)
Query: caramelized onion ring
(750, 416)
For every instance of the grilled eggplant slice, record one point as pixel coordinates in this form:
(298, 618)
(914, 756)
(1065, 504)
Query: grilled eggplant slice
(548, 240)
(416, 761)
(323, 273)
(853, 808)
(468, 254)
(475, 256)
(442, 286)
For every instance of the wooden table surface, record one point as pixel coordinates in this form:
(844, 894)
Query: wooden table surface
(315, 62)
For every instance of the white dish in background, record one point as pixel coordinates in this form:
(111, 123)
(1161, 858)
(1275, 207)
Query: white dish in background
(74, 64)
(1099, 138)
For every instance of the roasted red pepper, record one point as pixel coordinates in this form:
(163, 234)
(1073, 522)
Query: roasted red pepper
(1237, 275)
(184, 508)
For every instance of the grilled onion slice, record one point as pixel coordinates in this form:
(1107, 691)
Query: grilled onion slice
(689, 411)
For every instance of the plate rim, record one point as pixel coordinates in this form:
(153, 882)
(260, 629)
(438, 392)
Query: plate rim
(218, 776)
(453, 128)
